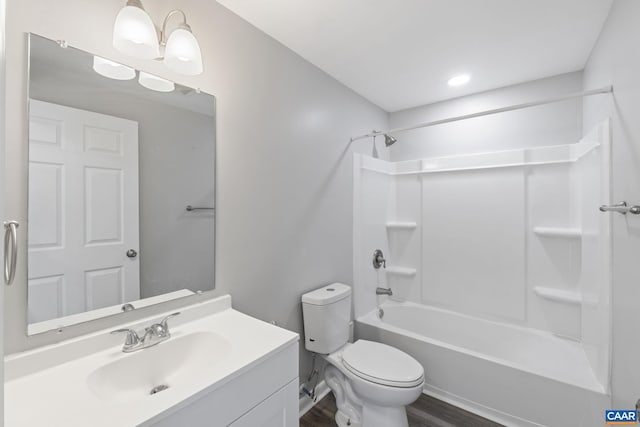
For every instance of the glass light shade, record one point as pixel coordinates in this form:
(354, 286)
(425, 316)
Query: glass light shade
(134, 33)
(155, 83)
(182, 52)
(113, 70)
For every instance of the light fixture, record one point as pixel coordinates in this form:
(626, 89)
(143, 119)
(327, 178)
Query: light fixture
(155, 83)
(181, 49)
(134, 34)
(112, 70)
(459, 80)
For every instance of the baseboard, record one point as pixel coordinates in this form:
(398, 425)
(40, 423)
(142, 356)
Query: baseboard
(322, 389)
(478, 409)
(305, 404)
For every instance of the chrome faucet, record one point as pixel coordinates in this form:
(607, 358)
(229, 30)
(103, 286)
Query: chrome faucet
(154, 334)
(383, 291)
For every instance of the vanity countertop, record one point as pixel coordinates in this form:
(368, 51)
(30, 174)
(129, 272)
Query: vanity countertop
(55, 385)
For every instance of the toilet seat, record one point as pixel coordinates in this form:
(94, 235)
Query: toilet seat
(382, 364)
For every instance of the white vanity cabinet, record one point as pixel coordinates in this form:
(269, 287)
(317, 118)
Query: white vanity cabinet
(219, 368)
(278, 410)
(264, 396)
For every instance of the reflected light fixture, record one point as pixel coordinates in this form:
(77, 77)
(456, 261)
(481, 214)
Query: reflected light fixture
(112, 70)
(135, 35)
(155, 83)
(459, 80)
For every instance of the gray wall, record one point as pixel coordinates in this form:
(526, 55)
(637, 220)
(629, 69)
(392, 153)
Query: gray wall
(284, 167)
(176, 168)
(616, 60)
(559, 123)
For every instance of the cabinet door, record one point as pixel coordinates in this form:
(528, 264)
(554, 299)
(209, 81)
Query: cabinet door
(278, 410)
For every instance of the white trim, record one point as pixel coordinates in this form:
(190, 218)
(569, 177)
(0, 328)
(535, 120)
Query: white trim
(478, 409)
(322, 389)
(535, 156)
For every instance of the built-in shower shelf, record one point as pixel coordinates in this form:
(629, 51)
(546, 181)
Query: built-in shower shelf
(401, 271)
(401, 225)
(559, 295)
(558, 232)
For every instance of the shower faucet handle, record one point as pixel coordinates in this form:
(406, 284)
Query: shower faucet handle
(378, 259)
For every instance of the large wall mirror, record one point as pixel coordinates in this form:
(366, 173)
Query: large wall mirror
(121, 210)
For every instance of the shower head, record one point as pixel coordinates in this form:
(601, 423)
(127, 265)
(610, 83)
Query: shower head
(389, 140)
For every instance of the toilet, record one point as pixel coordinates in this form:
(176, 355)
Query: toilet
(372, 382)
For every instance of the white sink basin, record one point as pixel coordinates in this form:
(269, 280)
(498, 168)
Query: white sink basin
(173, 363)
(89, 381)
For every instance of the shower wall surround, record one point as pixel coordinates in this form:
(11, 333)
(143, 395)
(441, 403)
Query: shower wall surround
(510, 236)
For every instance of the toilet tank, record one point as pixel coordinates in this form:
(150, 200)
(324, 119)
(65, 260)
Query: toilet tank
(326, 313)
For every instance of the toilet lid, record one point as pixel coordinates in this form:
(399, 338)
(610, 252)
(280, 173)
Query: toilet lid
(382, 364)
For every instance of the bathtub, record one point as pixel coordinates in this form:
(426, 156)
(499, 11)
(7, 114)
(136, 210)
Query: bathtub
(514, 375)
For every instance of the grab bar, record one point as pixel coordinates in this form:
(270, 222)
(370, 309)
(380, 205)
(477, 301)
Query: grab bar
(621, 207)
(196, 208)
(10, 250)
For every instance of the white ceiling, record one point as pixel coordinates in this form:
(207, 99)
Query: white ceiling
(400, 53)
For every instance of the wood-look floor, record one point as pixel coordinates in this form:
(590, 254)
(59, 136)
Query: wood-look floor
(424, 412)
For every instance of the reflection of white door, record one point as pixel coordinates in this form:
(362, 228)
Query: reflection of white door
(83, 211)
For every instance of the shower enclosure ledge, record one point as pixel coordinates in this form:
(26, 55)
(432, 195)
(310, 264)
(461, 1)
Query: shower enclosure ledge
(559, 295)
(558, 232)
(401, 225)
(401, 271)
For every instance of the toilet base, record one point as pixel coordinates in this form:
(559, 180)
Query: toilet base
(384, 416)
(374, 416)
(343, 420)
(354, 412)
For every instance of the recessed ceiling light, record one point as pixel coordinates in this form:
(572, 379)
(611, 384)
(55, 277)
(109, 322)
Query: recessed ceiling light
(459, 80)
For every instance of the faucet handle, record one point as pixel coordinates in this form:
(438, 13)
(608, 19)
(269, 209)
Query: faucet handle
(378, 259)
(165, 325)
(131, 339)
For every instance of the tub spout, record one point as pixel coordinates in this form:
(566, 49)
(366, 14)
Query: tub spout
(383, 291)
